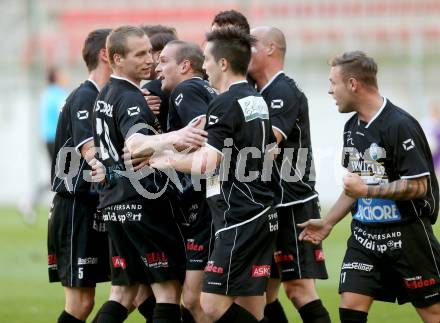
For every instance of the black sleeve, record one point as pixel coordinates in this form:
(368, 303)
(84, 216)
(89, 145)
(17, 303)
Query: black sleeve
(188, 103)
(133, 115)
(221, 121)
(284, 107)
(408, 147)
(81, 113)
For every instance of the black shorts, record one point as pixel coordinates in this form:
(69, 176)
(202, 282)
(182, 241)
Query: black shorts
(394, 262)
(297, 259)
(240, 261)
(146, 244)
(198, 231)
(77, 242)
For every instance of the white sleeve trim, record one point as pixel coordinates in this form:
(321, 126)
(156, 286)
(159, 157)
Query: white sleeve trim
(416, 176)
(280, 131)
(77, 148)
(196, 118)
(212, 147)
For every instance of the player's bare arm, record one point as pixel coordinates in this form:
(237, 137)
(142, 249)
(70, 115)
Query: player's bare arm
(316, 230)
(203, 161)
(403, 189)
(142, 145)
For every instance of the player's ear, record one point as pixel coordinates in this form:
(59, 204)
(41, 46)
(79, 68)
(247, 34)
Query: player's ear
(103, 55)
(118, 59)
(224, 64)
(271, 48)
(185, 66)
(353, 84)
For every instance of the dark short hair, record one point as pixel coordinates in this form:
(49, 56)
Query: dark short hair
(94, 42)
(191, 52)
(152, 30)
(358, 65)
(234, 45)
(117, 40)
(231, 17)
(159, 40)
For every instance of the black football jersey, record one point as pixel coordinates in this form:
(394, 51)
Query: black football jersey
(120, 112)
(390, 147)
(238, 128)
(294, 171)
(73, 130)
(188, 101)
(155, 88)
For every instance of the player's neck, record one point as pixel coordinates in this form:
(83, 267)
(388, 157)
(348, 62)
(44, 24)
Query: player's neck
(369, 106)
(124, 76)
(229, 80)
(100, 75)
(267, 75)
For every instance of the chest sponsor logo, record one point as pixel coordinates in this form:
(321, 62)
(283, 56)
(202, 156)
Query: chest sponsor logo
(119, 262)
(277, 104)
(82, 114)
(261, 271)
(254, 107)
(133, 111)
(376, 210)
(408, 144)
(178, 99)
(357, 266)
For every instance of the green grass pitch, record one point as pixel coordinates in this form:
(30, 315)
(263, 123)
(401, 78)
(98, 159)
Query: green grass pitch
(26, 296)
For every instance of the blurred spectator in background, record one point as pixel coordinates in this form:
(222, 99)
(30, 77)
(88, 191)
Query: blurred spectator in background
(52, 100)
(431, 127)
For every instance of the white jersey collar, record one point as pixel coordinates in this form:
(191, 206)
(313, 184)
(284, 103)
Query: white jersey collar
(271, 80)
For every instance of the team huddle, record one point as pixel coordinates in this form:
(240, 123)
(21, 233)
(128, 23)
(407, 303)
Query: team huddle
(185, 176)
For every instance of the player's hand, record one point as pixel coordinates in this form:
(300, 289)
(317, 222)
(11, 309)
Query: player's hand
(98, 171)
(153, 101)
(314, 230)
(162, 160)
(134, 163)
(190, 137)
(354, 186)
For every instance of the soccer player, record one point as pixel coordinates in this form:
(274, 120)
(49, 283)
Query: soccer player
(230, 18)
(77, 238)
(296, 200)
(392, 191)
(240, 201)
(181, 73)
(158, 100)
(146, 245)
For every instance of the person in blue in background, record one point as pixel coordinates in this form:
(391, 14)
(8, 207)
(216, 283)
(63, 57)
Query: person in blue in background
(52, 100)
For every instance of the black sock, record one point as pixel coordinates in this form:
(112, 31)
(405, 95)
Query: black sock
(352, 316)
(236, 313)
(112, 312)
(147, 308)
(67, 318)
(314, 312)
(274, 312)
(166, 313)
(186, 315)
